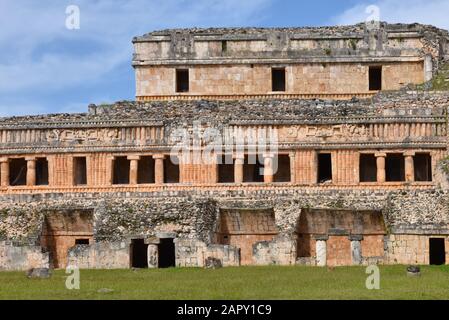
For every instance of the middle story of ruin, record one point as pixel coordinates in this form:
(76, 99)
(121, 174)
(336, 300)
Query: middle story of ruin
(348, 182)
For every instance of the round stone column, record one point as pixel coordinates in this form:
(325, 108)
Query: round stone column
(380, 161)
(409, 166)
(133, 169)
(153, 256)
(4, 171)
(31, 171)
(238, 168)
(159, 168)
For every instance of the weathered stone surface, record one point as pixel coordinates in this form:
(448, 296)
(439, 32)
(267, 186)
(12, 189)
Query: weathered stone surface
(212, 263)
(42, 273)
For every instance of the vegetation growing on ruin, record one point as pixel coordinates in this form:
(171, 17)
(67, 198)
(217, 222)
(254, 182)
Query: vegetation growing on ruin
(232, 283)
(440, 81)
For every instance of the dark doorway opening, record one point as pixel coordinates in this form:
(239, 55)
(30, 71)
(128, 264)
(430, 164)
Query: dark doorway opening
(226, 169)
(167, 253)
(17, 172)
(283, 172)
(437, 252)
(394, 167)
(41, 172)
(368, 168)
(121, 170)
(139, 253)
(423, 167)
(145, 173)
(253, 169)
(278, 79)
(324, 167)
(81, 241)
(375, 78)
(182, 80)
(79, 171)
(171, 170)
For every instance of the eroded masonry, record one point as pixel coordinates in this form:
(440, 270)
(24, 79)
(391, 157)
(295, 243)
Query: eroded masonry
(358, 173)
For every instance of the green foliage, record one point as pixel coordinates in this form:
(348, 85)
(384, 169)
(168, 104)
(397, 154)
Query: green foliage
(253, 283)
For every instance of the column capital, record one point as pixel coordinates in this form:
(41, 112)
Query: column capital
(268, 155)
(30, 158)
(380, 155)
(292, 154)
(239, 156)
(133, 157)
(159, 156)
(4, 159)
(355, 237)
(409, 153)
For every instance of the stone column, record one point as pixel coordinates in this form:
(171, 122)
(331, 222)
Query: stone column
(159, 168)
(321, 250)
(238, 168)
(380, 160)
(428, 68)
(133, 169)
(268, 172)
(409, 166)
(356, 249)
(153, 256)
(4, 171)
(31, 171)
(292, 167)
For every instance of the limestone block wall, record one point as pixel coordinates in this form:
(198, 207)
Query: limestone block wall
(332, 78)
(193, 253)
(24, 257)
(100, 255)
(280, 251)
(411, 248)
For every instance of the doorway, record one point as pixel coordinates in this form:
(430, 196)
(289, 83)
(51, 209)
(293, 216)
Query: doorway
(139, 254)
(167, 253)
(437, 252)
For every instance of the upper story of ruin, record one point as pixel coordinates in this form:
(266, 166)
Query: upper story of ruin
(326, 62)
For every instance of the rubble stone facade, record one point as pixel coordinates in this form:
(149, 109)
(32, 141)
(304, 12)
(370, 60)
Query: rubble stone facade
(358, 172)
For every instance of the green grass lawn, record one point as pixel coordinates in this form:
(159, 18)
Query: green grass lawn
(232, 283)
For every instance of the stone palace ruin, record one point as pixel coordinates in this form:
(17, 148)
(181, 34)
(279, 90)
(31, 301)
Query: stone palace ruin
(358, 175)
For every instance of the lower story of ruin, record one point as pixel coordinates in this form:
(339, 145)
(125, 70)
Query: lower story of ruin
(291, 226)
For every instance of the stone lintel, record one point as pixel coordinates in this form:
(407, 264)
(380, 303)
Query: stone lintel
(338, 232)
(320, 237)
(152, 240)
(166, 235)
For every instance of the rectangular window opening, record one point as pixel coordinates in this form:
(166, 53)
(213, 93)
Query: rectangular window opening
(395, 167)
(145, 174)
(282, 172)
(41, 172)
(324, 168)
(79, 171)
(368, 168)
(423, 167)
(81, 241)
(121, 170)
(253, 169)
(375, 78)
(17, 172)
(278, 79)
(182, 80)
(171, 170)
(226, 169)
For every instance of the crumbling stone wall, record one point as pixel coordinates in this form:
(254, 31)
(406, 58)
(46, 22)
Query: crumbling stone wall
(15, 257)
